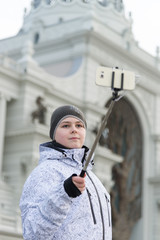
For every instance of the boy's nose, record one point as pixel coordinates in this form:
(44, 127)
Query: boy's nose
(74, 129)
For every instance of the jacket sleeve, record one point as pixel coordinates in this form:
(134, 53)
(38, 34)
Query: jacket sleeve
(44, 204)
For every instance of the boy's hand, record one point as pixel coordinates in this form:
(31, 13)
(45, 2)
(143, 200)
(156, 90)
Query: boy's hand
(74, 185)
(79, 182)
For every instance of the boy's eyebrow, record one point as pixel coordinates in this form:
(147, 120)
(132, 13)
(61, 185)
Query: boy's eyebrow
(70, 122)
(63, 122)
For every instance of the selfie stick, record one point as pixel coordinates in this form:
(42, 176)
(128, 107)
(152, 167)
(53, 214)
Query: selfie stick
(104, 122)
(114, 75)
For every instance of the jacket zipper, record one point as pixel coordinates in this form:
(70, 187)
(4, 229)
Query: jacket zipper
(100, 206)
(107, 200)
(90, 201)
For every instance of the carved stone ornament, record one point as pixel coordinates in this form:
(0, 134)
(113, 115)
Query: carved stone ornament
(40, 112)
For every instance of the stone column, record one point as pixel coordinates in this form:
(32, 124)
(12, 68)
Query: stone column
(157, 135)
(3, 103)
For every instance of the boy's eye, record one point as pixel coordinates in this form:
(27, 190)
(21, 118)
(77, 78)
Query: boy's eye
(79, 125)
(65, 125)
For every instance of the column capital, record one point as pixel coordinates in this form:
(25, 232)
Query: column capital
(4, 96)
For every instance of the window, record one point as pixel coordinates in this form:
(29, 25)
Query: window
(36, 38)
(36, 3)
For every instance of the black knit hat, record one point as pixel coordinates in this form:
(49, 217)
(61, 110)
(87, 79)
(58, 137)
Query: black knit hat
(63, 112)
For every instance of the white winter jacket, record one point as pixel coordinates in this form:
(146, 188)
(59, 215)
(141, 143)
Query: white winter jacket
(48, 212)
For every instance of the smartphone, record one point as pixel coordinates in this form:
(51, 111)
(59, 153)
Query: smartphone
(115, 78)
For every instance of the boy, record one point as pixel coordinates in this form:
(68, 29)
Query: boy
(56, 203)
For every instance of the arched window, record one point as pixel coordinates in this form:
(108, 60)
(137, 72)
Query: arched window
(125, 139)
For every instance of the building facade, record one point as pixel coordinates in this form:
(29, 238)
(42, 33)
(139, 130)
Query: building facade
(52, 61)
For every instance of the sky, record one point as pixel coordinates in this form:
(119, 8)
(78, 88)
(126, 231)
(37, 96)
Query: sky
(145, 15)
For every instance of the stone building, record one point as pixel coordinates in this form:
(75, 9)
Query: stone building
(52, 61)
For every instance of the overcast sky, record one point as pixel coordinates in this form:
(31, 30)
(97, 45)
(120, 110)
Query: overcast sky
(145, 14)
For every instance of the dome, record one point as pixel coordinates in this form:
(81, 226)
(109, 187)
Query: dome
(118, 4)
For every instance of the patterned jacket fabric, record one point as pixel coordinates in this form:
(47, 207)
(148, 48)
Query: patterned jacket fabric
(48, 212)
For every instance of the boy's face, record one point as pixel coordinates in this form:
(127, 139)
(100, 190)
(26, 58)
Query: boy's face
(71, 133)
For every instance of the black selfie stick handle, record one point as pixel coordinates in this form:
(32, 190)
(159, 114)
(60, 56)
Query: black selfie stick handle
(82, 174)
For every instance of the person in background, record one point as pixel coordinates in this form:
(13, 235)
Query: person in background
(57, 203)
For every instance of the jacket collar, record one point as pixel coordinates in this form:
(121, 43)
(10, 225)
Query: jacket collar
(51, 151)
